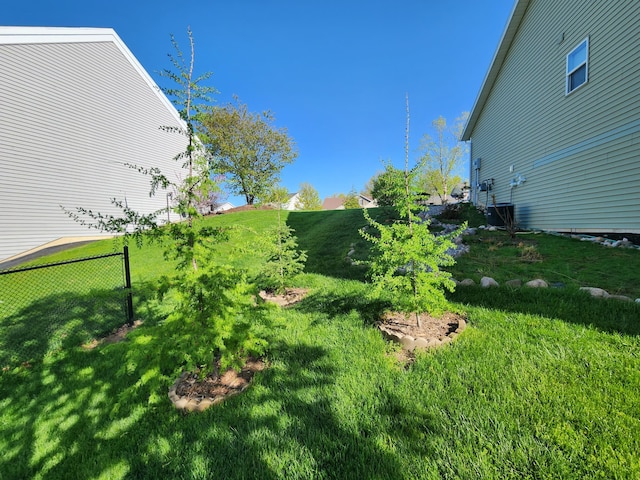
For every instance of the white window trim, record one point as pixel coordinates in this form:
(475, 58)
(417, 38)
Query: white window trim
(586, 64)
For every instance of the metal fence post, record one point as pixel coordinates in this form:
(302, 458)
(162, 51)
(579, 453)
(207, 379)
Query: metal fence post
(127, 279)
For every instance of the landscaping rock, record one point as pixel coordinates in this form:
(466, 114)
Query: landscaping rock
(487, 282)
(204, 404)
(462, 324)
(624, 298)
(467, 282)
(537, 283)
(408, 342)
(191, 405)
(596, 292)
(421, 343)
(181, 403)
(515, 283)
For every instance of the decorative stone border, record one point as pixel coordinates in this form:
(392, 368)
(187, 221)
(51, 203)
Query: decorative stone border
(488, 282)
(410, 343)
(231, 383)
(187, 403)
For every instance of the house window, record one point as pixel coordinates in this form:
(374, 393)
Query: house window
(578, 66)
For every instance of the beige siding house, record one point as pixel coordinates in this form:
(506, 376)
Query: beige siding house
(556, 126)
(75, 106)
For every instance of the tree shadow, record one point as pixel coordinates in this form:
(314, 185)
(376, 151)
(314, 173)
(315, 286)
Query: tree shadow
(59, 321)
(105, 412)
(334, 304)
(568, 305)
(328, 236)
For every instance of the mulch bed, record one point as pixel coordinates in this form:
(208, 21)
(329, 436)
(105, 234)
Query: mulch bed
(116, 336)
(431, 327)
(433, 332)
(191, 393)
(291, 296)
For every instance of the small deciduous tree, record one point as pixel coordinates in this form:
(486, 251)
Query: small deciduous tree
(247, 148)
(388, 186)
(280, 246)
(442, 155)
(215, 321)
(351, 200)
(368, 187)
(308, 198)
(407, 257)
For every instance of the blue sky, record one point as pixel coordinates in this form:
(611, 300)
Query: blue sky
(334, 72)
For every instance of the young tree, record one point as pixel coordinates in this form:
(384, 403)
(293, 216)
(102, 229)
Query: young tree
(219, 195)
(388, 186)
(308, 198)
(407, 257)
(188, 95)
(214, 321)
(442, 155)
(351, 200)
(368, 187)
(280, 245)
(247, 148)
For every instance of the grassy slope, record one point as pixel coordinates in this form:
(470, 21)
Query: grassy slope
(543, 384)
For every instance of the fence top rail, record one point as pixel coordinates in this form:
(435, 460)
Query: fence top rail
(55, 264)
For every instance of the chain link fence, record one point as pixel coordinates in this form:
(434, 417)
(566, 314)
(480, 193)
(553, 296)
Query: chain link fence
(50, 307)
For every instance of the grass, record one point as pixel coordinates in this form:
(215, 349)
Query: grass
(542, 384)
(557, 260)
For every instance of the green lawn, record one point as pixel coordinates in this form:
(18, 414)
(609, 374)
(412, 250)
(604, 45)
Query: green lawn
(542, 383)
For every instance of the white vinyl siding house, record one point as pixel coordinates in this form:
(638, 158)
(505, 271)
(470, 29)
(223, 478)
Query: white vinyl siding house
(75, 107)
(575, 151)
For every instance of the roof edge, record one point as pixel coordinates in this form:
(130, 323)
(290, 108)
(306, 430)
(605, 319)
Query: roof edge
(22, 35)
(517, 13)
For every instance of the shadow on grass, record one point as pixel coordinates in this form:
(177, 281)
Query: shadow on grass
(568, 305)
(327, 237)
(59, 321)
(333, 304)
(104, 413)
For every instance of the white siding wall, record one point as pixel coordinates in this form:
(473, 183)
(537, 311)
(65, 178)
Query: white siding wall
(530, 123)
(71, 114)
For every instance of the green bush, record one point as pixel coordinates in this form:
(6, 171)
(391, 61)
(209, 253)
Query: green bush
(216, 322)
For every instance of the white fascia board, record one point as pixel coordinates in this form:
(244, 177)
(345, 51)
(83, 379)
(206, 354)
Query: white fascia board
(496, 64)
(34, 35)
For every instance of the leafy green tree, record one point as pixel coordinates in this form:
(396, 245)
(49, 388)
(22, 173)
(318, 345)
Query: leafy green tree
(188, 95)
(351, 200)
(211, 320)
(308, 198)
(368, 187)
(388, 186)
(280, 246)
(442, 155)
(407, 258)
(247, 148)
